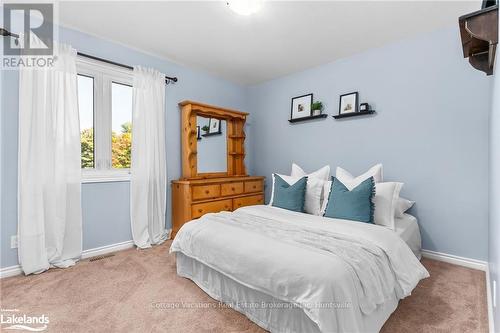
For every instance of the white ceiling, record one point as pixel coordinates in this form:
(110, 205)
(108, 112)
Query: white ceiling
(282, 38)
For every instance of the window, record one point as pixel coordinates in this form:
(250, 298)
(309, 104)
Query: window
(105, 105)
(86, 107)
(121, 125)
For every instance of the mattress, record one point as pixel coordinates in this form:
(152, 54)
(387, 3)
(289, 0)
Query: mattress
(407, 228)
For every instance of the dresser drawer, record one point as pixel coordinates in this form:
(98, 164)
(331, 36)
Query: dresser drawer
(248, 201)
(231, 188)
(253, 186)
(198, 210)
(206, 192)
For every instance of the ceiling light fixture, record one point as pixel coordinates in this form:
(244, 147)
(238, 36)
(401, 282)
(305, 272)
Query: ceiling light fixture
(245, 7)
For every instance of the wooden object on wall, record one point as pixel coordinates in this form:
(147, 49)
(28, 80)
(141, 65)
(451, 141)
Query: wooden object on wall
(479, 33)
(193, 198)
(235, 139)
(196, 194)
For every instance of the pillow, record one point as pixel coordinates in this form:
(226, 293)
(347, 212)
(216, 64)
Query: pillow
(288, 196)
(355, 204)
(323, 173)
(326, 193)
(314, 190)
(385, 200)
(402, 206)
(351, 182)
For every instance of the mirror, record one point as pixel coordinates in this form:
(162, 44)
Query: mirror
(212, 145)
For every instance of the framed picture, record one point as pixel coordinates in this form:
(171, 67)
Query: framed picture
(301, 106)
(198, 131)
(214, 126)
(348, 103)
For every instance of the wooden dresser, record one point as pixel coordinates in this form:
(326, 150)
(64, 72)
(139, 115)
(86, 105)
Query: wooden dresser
(193, 198)
(197, 193)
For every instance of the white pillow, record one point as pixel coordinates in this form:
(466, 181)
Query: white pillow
(326, 194)
(351, 182)
(385, 201)
(323, 174)
(402, 206)
(314, 188)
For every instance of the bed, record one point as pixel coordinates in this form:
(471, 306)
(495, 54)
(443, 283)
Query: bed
(407, 228)
(296, 272)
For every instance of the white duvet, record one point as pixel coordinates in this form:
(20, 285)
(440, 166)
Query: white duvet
(335, 270)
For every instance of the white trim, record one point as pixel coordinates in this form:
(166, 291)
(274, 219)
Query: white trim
(105, 178)
(10, 271)
(491, 321)
(98, 251)
(456, 260)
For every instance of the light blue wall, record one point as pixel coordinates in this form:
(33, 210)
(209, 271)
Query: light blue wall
(494, 230)
(106, 205)
(430, 132)
(212, 150)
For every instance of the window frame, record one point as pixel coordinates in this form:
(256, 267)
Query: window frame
(104, 76)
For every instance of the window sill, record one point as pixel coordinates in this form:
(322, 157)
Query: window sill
(117, 177)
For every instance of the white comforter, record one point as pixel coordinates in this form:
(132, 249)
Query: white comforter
(320, 264)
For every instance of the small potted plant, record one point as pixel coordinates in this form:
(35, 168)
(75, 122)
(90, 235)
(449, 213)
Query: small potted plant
(316, 108)
(205, 129)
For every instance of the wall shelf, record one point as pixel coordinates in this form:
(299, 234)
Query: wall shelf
(353, 114)
(307, 118)
(211, 134)
(479, 34)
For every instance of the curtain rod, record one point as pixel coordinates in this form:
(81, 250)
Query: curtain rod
(6, 33)
(167, 78)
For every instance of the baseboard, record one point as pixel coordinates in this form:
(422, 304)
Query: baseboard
(98, 251)
(10, 271)
(456, 260)
(489, 299)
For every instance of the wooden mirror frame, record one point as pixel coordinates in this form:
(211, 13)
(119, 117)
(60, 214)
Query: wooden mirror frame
(235, 138)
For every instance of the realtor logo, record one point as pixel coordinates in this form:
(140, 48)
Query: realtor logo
(36, 20)
(13, 319)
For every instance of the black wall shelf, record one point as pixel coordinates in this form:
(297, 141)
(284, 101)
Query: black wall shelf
(354, 114)
(211, 134)
(307, 118)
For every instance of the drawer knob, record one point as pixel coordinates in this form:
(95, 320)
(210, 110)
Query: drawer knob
(254, 187)
(200, 210)
(232, 189)
(207, 191)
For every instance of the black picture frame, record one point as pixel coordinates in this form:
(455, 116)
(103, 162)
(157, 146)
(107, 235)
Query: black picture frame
(309, 98)
(356, 103)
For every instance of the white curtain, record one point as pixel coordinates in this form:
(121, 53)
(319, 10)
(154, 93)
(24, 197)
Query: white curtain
(49, 207)
(148, 165)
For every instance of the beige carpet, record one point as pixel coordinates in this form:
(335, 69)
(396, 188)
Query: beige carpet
(120, 294)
